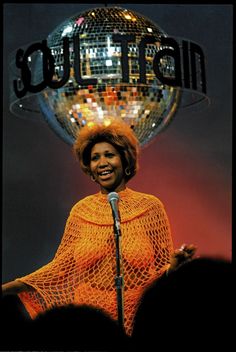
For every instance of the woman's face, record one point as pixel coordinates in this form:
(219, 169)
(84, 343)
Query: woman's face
(106, 167)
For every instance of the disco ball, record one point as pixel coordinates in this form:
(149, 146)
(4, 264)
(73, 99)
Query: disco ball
(147, 106)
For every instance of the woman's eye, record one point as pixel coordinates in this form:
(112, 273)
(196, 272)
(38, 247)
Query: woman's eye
(94, 158)
(109, 155)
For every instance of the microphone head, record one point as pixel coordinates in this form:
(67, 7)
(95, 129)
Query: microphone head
(112, 196)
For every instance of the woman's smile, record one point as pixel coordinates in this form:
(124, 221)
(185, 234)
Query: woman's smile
(106, 174)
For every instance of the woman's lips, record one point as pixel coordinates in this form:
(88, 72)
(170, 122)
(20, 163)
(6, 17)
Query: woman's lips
(105, 174)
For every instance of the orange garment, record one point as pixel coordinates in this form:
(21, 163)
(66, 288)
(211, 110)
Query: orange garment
(84, 268)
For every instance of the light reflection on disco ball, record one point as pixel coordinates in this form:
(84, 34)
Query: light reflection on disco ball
(147, 108)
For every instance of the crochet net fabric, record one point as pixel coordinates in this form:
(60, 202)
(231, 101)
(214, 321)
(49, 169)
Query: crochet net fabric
(84, 267)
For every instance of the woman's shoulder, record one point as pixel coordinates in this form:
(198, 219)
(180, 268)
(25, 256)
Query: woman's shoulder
(146, 197)
(134, 204)
(82, 202)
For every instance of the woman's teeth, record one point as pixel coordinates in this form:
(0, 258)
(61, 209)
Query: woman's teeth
(105, 173)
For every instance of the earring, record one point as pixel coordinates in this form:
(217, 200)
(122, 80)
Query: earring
(92, 178)
(127, 171)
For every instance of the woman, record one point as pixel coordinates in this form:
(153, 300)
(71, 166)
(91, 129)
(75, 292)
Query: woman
(84, 268)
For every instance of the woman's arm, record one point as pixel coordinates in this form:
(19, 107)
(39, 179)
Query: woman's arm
(15, 287)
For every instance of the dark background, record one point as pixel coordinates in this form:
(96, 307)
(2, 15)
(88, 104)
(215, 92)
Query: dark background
(188, 166)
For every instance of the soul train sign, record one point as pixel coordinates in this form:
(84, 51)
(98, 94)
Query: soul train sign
(169, 47)
(103, 64)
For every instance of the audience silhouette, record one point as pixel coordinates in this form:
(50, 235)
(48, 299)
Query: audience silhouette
(15, 323)
(191, 306)
(79, 327)
(71, 327)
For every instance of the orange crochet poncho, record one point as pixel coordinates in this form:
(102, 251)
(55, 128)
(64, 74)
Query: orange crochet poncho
(84, 268)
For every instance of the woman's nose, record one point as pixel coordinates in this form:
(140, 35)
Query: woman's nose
(102, 161)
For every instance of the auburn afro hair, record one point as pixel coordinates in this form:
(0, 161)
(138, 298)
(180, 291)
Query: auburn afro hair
(117, 133)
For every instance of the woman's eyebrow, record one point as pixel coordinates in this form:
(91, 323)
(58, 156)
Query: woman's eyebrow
(106, 151)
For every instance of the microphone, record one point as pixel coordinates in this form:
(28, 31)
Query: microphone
(113, 199)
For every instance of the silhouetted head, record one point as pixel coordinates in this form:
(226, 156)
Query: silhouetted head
(15, 321)
(190, 307)
(79, 328)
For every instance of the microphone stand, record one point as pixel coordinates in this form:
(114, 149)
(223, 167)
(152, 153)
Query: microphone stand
(119, 281)
(113, 197)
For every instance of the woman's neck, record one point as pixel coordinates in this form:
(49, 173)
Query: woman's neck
(120, 188)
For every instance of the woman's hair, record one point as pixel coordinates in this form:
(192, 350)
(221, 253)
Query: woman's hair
(117, 133)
